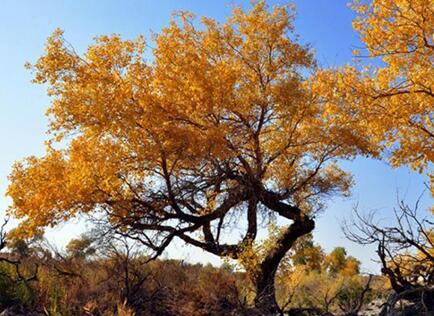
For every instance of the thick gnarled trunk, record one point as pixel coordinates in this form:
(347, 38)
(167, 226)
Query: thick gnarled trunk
(265, 299)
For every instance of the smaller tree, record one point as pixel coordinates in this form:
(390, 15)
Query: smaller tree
(406, 252)
(124, 261)
(15, 275)
(353, 294)
(81, 247)
(306, 252)
(338, 262)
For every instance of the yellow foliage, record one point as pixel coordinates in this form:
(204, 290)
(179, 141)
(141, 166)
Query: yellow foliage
(393, 101)
(229, 93)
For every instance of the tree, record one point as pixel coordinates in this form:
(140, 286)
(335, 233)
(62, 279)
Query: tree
(406, 252)
(393, 100)
(400, 32)
(80, 247)
(306, 252)
(220, 125)
(125, 261)
(338, 262)
(15, 275)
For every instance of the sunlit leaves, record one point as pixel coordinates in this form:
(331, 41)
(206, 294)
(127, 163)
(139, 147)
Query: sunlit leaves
(213, 97)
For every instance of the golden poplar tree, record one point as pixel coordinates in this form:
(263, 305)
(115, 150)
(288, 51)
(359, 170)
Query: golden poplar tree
(393, 96)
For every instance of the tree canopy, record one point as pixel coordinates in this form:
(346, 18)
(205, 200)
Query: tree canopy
(215, 110)
(394, 96)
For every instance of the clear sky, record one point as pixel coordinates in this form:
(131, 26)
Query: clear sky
(25, 25)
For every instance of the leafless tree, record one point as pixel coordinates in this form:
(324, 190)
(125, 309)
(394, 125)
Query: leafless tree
(405, 249)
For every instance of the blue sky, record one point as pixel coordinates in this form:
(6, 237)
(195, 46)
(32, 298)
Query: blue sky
(25, 25)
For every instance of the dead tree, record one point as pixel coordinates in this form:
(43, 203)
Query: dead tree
(406, 253)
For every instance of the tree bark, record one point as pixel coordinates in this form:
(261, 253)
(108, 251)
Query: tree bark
(265, 299)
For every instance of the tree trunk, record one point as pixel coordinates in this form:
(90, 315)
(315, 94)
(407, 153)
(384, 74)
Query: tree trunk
(265, 299)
